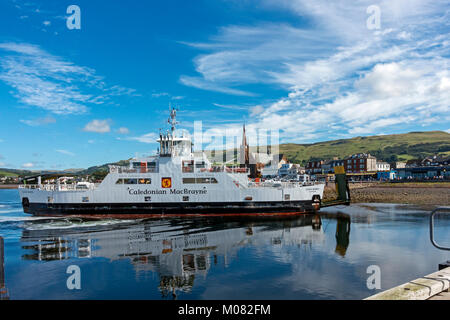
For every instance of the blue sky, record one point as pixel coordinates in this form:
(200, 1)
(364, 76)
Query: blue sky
(314, 70)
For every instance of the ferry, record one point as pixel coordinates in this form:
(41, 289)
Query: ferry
(175, 182)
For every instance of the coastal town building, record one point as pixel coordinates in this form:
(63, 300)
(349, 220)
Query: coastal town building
(285, 169)
(361, 162)
(399, 165)
(313, 167)
(328, 166)
(260, 163)
(424, 173)
(383, 166)
(436, 160)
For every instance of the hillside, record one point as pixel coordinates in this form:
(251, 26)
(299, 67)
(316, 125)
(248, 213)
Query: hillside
(395, 147)
(4, 173)
(103, 168)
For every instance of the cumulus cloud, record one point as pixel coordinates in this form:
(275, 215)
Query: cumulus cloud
(98, 126)
(28, 165)
(123, 130)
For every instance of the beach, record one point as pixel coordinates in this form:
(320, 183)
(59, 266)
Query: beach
(420, 193)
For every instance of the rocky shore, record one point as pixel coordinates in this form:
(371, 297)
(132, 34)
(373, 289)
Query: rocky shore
(9, 186)
(407, 193)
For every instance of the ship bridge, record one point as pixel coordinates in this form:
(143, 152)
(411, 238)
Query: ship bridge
(175, 144)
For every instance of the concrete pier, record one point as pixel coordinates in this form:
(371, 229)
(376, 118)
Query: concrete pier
(434, 286)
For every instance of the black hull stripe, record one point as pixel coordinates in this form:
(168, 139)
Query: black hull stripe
(170, 208)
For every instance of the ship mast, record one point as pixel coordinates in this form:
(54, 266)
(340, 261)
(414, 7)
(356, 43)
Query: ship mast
(166, 140)
(172, 120)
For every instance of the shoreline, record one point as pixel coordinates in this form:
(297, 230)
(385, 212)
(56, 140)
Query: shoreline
(9, 186)
(419, 193)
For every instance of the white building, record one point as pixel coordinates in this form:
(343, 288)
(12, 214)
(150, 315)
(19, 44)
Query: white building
(383, 166)
(285, 169)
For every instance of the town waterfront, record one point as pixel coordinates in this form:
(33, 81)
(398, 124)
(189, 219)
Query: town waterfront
(322, 256)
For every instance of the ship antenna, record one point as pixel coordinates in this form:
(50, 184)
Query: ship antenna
(173, 119)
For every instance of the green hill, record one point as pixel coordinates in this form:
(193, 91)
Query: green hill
(103, 168)
(395, 147)
(7, 173)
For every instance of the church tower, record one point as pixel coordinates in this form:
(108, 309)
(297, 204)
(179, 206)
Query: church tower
(244, 155)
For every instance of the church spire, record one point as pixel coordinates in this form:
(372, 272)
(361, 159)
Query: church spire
(245, 149)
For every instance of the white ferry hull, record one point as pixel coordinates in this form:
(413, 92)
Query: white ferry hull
(110, 199)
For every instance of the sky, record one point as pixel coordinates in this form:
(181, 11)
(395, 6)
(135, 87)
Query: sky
(309, 70)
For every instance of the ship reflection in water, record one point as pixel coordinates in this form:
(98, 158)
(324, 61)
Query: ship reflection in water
(284, 257)
(3, 289)
(177, 250)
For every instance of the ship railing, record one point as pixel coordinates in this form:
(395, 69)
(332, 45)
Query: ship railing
(60, 187)
(279, 184)
(225, 169)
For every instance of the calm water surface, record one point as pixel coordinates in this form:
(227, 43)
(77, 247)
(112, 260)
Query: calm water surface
(303, 257)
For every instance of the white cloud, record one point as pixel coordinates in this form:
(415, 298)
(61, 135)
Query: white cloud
(39, 121)
(65, 152)
(160, 94)
(145, 138)
(99, 126)
(52, 83)
(28, 165)
(341, 78)
(46, 23)
(256, 110)
(200, 83)
(123, 130)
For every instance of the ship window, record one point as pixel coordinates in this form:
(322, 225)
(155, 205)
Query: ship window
(200, 164)
(188, 180)
(151, 164)
(185, 198)
(136, 164)
(145, 181)
(188, 166)
(130, 181)
(205, 180)
(119, 181)
(199, 180)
